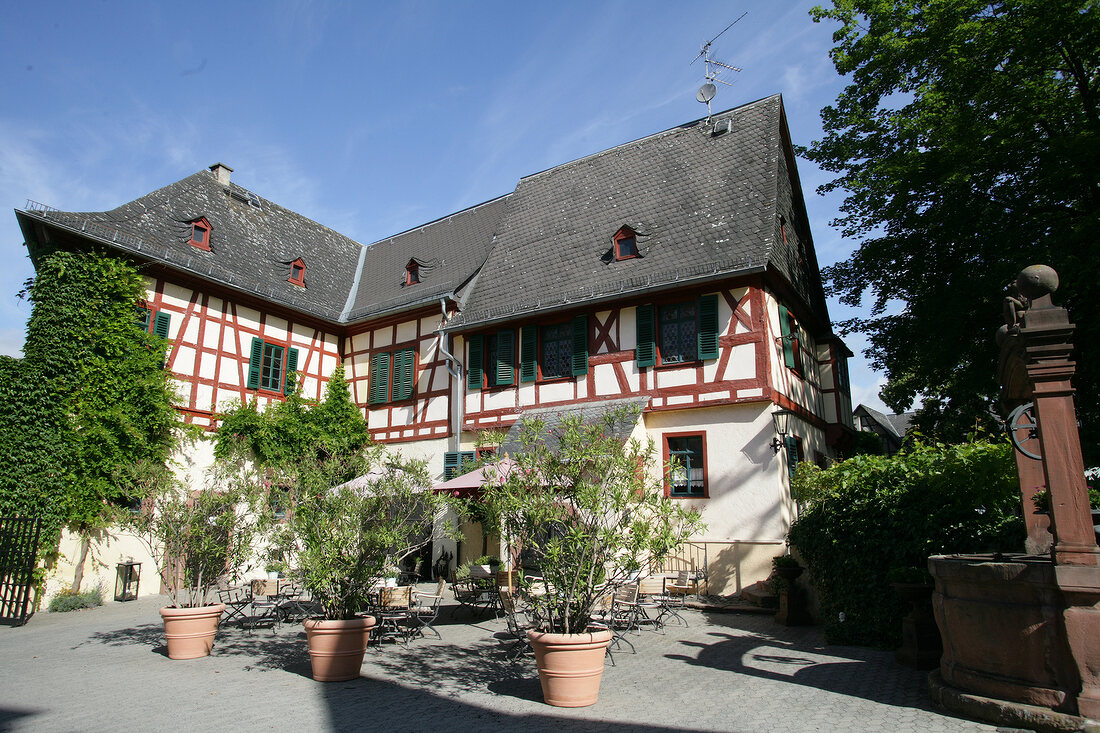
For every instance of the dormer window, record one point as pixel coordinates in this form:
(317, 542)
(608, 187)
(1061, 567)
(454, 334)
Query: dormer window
(626, 244)
(297, 272)
(200, 234)
(412, 273)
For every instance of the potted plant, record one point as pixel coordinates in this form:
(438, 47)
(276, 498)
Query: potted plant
(197, 539)
(341, 539)
(792, 602)
(588, 509)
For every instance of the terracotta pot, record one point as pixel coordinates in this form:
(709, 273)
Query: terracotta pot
(789, 572)
(190, 631)
(570, 666)
(336, 648)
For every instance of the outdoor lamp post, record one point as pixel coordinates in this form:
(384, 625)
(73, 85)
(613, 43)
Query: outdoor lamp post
(126, 580)
(780, 419)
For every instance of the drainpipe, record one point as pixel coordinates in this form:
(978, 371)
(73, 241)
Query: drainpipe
(457, 396)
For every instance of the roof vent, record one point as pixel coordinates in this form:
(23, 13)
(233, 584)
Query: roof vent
(221, 171)
(721, 127)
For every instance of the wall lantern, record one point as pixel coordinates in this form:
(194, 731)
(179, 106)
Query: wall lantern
(126, 580)
(780, 418)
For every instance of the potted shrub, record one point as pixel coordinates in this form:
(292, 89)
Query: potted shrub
(197, 539)
(581, 503)
(341, 539)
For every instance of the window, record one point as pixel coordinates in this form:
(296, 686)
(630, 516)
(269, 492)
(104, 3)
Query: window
(412, 273)
(492, 360)
(454, 463)
(392, 376)
(546, 352)
(297, 272)
(677, 333)
(792, 344)
(556, 350)
(793, 444)
(626, 244)
(153, 322)
(272, 367)
(200, 234)
(686, 457)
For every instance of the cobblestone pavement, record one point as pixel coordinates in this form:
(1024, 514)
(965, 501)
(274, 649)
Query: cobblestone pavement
(105, 669)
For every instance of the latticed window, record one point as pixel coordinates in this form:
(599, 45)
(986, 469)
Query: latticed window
(557, 351)
(271, 368)
(687, 476)
(679, 333)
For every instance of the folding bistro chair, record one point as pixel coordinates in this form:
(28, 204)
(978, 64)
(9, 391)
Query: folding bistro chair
(237, 599)
(424, 615)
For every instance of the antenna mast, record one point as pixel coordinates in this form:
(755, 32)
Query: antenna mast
(712, 69)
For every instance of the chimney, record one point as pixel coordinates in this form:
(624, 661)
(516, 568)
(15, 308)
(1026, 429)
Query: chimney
(222, 171)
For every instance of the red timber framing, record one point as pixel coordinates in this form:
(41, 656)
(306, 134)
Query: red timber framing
(389, 422)
(207, 336)
(605, 334)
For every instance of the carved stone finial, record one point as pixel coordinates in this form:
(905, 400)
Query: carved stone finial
(1036, 281)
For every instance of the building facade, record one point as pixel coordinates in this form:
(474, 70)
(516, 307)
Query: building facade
(675, 272)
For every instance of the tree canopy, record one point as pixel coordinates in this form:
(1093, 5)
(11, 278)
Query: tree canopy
(968, 147)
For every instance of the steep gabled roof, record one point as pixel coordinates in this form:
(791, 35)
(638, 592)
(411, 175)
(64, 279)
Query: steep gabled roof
(448, 251)
(701, 197)
(252, 241)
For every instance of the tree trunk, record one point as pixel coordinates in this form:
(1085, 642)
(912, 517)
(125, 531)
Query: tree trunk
(78, 574)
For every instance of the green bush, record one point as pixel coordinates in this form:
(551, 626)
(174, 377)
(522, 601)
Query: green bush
(866, 515)
(70, 600)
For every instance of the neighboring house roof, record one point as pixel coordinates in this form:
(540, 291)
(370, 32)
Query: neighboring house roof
(705, 200)
(894, 425)
(448, 252)
(702, 199)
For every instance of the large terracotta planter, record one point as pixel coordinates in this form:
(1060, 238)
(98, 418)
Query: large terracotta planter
(336, 648)
(570, 666)
(190, 631)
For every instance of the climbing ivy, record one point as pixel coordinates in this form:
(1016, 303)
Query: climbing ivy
(90, 397)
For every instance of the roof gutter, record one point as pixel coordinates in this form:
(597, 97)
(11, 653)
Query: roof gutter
(671, 285)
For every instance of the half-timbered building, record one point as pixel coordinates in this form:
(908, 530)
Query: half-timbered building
(675, 272)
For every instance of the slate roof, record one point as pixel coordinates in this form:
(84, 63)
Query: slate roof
(589, 412)
(896, 425)
(703, 206)
(448, 251)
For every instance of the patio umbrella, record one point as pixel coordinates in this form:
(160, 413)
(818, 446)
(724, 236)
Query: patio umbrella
(470, 484)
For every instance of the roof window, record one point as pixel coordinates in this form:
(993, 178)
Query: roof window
(626, 244)
(200, 234)
(412, 272)
(297, 272)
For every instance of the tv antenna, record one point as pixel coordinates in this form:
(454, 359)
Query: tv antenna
(713, 69)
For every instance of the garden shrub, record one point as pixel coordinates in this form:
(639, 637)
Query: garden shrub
(74, 600)
(869, 514)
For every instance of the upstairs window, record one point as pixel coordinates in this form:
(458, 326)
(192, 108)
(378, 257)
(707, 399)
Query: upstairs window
(272, 367)
(790, 336)
(200, 234)
(626, 244)
(392, 376)
(556, 350)
(677, 333)
(297, 272)
(492, 359)
(153, 322)
(412, 273)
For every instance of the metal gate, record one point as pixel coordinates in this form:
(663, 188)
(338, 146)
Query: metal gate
(18, 553)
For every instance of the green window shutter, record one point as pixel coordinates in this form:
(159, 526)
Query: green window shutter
(646, 352)
(785, 330)
(453, 462)
(255, 362)
(580, 346)
(474, 365)
(161, 323)
(143, 318)
(792, 454)
(708, 327)
(290, 381)
(529, 354)
(404, 363)
(506, 356)
(379, 391)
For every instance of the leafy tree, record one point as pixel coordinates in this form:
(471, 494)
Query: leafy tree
(968, 147)
(90, 397)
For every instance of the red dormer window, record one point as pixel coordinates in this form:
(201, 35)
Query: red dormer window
(200, 234)
(297, 272)
(412, 273)
(626, 244)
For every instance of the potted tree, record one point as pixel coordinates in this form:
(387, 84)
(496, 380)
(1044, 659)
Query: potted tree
(197, 539)
(340, 539)
(587, 508)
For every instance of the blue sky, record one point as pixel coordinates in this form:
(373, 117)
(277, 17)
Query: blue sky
(375, 117)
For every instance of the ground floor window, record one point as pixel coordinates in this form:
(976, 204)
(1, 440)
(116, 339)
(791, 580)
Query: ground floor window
(686, 456)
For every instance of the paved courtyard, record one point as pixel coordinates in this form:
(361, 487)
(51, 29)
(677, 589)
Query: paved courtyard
(105, 669)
